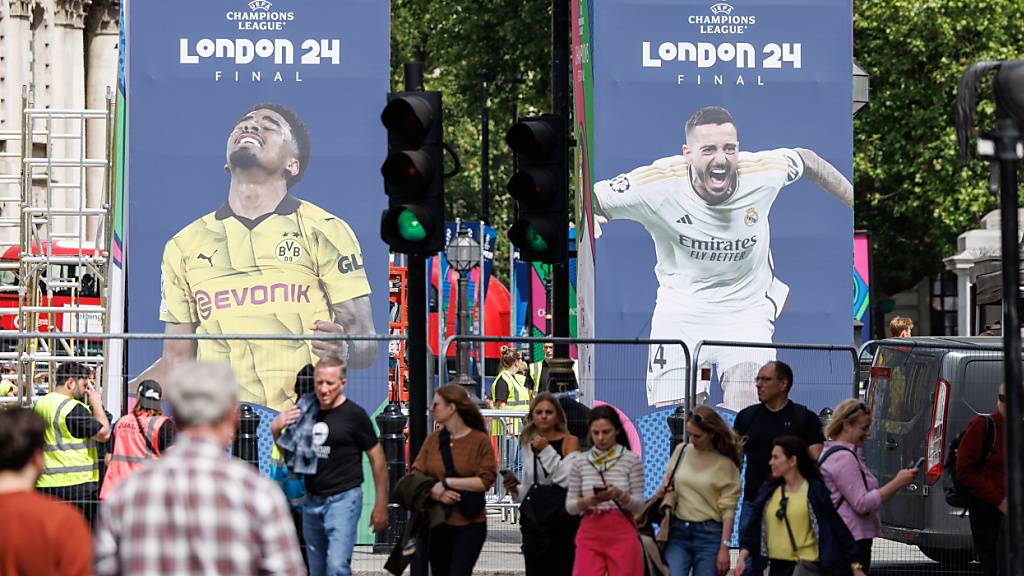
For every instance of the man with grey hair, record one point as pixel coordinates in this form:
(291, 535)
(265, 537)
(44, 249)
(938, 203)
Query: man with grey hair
(197, 510)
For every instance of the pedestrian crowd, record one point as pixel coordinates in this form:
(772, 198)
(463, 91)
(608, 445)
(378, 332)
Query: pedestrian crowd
(172, 501)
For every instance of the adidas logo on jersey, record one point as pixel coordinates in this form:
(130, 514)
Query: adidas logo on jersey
(685, 220)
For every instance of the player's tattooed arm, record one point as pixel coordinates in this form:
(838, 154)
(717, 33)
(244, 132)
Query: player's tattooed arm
(353, 316)
(825, 175)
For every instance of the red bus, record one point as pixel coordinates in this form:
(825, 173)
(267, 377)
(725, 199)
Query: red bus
(61, 273)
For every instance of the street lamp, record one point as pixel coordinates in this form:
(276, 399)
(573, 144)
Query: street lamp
(463, 254)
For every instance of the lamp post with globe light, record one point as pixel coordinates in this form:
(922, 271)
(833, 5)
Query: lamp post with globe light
(463, 255)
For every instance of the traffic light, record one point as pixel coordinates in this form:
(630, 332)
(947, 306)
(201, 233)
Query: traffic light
(414, 173)
(540, 188)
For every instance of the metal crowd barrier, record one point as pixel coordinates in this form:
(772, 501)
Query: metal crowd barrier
(825, 373)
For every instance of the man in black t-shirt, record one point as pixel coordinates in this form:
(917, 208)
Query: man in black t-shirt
(342, 432)
(774, 416)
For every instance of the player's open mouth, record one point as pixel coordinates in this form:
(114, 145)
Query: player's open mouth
(250, 139)
(718, 177)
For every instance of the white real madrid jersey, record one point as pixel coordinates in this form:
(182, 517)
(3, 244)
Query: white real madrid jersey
(709, 256)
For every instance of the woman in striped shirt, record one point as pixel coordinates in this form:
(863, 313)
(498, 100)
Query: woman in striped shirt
(606, 485)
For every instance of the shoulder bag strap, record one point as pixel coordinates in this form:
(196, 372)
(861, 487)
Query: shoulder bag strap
(833, 450)
(142, 432)
(537, 465)
(444, 439)
(675, 467)
(789, 529)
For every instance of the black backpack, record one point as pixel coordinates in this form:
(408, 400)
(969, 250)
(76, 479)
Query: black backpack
(957, 495)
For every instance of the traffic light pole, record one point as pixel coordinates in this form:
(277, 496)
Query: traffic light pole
(416, 278)
(560, 106)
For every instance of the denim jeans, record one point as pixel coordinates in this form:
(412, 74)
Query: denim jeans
(745, 513)
(329, 527)
(693, 545)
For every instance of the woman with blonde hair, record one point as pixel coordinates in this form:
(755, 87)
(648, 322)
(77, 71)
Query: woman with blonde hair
(705, 476)
(548, 447)
(460, 458)
(855, 490)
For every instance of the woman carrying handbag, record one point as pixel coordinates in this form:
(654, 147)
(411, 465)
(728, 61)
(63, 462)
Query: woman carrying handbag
(606, 485)
(459, 456)
(793, 526)
(547, 448)
(702, 487)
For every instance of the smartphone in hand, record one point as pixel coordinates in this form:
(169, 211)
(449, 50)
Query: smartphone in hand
(508, 475)
(599, 489)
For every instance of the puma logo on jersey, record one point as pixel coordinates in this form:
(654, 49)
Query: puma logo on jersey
(685, 220)
(209, 258)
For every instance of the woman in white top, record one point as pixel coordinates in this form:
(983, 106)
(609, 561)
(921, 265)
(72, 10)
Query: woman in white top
(547, 449)
(705, 476)
(606, 485)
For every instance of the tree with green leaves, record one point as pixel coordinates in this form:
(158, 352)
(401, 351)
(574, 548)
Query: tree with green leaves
(910, 190)
(461, 43)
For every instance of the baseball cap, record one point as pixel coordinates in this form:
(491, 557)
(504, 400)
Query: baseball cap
(149, 395)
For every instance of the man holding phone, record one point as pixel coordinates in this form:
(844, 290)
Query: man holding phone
(70, 462)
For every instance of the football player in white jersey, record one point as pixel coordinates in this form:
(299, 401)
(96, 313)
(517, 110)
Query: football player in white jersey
(707, 212)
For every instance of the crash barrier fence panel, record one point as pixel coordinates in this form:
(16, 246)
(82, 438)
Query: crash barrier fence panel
(918, 526)
(603, 371)
(922, 392)
(265, 365)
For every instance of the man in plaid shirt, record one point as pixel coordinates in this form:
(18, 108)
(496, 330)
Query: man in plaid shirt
(197, 511)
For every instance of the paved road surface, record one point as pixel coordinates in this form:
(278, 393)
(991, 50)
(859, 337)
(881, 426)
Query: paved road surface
(501, 557)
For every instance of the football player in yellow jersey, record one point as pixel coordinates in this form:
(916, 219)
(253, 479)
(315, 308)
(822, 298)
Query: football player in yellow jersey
(265, 262)
(707, 212)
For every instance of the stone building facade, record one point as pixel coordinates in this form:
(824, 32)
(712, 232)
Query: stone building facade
(66, 51)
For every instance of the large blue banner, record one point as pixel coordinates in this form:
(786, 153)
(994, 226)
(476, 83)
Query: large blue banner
(254, 192)
(719, 140)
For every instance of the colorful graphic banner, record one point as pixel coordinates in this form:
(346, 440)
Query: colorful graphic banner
(716, 159)
(253, 187)
(862, 281)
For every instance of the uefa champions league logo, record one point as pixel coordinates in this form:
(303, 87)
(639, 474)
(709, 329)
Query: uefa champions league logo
(265, 6)
(721, 8)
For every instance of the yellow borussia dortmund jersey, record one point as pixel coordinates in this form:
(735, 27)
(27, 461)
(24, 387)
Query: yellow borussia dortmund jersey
(277, 274)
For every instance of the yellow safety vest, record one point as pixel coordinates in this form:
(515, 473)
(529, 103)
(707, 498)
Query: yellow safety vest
(518, 399)
(67, 461)
(536, 369)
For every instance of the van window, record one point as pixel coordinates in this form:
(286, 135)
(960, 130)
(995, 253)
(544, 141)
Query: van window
(981, 380)
(900, 393)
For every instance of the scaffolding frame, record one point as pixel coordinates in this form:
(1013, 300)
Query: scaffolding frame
(54, 255)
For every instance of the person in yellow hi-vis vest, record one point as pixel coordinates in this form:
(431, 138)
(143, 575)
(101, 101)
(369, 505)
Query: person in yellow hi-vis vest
(70, 465)
(539, 370)
(510, 390)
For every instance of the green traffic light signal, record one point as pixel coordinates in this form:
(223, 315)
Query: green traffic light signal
(534, 241)
(409, 227)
